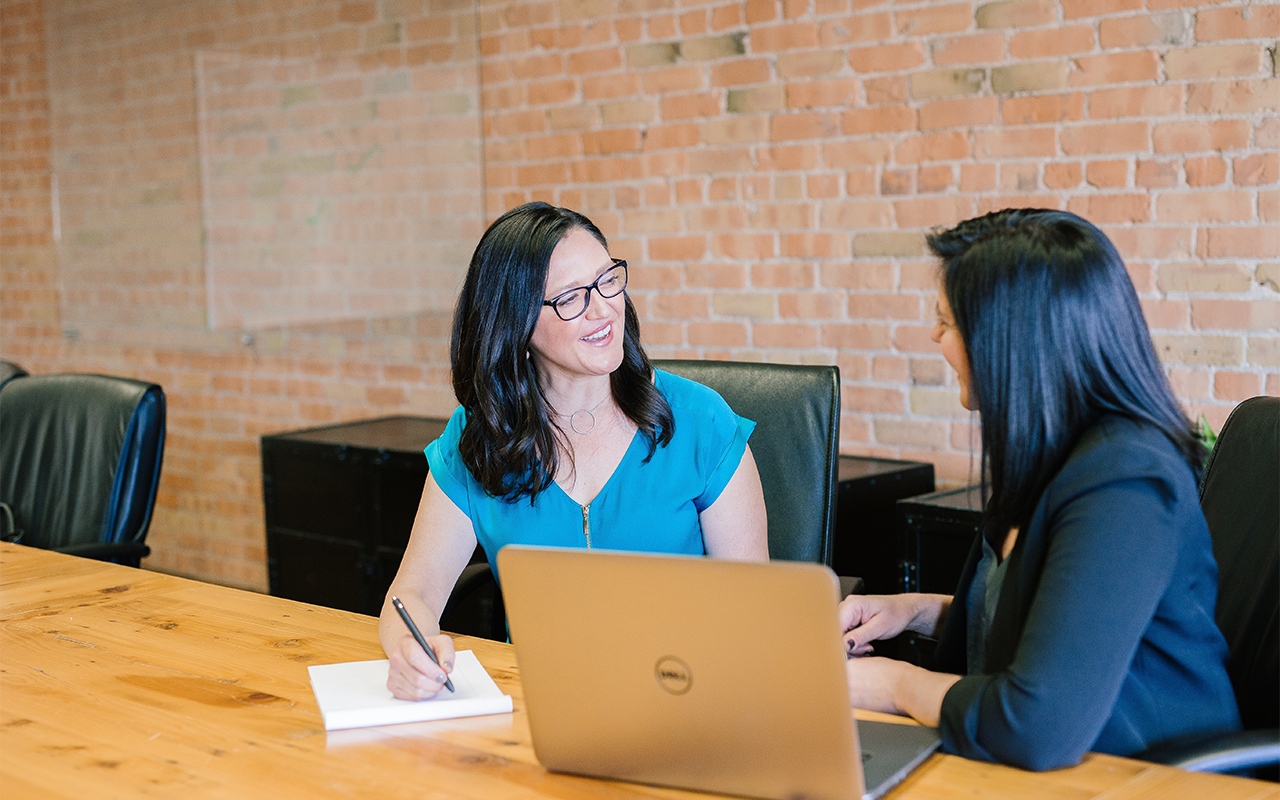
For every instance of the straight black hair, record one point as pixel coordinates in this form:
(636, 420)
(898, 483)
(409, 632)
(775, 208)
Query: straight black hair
(1055, 339)
(509, 441)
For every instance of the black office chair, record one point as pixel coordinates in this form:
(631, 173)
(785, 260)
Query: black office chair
(796, 448)
(796, 444)
(475, 606)
(1240, 496)
(9, 371)
(80, 463)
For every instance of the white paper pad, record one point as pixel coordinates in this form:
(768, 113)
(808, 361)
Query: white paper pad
(355, 694)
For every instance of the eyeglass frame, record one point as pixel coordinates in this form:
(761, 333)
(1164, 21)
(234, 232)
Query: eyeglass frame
(617, 262)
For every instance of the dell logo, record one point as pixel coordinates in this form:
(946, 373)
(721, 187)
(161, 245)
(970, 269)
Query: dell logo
(673, 675)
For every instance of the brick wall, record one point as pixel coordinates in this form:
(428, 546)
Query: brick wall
(105, 95)
(769, 167)
(28, 294)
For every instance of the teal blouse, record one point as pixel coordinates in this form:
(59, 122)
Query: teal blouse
(646, 506)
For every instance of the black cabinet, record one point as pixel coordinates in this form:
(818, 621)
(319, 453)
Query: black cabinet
(340, 502)
(937, 531)
(866, 535)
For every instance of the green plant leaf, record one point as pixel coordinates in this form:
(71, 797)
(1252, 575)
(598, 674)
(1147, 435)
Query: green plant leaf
(1206, 433)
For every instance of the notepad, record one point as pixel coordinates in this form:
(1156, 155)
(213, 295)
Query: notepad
(355, 695)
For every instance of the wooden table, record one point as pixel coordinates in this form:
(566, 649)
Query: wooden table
(119, 682)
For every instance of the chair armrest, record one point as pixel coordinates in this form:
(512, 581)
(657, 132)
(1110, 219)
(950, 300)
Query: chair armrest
(1226, 752)
(119, 552)
(850, 585)
(477, 579)
(473, 577)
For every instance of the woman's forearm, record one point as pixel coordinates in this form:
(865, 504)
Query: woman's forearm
(918, 693)
(931, 610)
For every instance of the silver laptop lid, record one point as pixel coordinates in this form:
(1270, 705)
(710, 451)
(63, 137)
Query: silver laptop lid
(683, 671)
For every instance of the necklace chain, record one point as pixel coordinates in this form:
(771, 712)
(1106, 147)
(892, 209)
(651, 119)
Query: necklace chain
(589, 412)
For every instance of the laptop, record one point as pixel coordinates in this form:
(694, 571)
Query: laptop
(696, 673)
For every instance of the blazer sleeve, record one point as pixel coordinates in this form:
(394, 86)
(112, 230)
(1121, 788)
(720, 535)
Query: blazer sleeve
(1111, 554)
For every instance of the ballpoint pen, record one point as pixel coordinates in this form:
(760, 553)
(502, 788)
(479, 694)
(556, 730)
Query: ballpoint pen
(417, 634)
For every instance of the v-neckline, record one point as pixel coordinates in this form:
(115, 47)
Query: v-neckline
(617, 468)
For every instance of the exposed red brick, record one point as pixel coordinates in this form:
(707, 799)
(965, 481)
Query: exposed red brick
(1042, 108)
(769, 167)
(1046, 42)
(1250, 22)
(781, 38)
(840, 92)
(1107, 174)
(1205, 171)
(1256, 170)
(1122, 67)
(886, 58)
(862, 28)
(1143, 30)
(1105, 138)
(959, 113)
(1192, 137)
(1214, 61)
(1155, 174)
(981, 48)
(1064, 175)
(1237, 386)
(1136, 101)
(1212, 206)
(933, 19)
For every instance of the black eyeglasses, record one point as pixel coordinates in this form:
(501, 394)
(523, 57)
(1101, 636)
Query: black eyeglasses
(573, 303)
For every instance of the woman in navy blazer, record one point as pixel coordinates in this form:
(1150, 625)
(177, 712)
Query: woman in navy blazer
(1084, 618)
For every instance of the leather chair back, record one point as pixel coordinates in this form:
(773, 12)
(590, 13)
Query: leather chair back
(9, 371)
(1240, 497)
(80, 460)
(795, 444)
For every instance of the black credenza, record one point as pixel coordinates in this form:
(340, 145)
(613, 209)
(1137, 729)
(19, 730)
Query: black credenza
(936, 532)
(867, 543)
(340, 502)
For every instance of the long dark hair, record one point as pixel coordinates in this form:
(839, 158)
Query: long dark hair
(1055, 339)
(509, 441)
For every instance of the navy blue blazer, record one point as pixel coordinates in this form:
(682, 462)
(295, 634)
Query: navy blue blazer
(1104, 636)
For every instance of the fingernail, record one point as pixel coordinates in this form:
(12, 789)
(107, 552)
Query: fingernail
(440, 678)
(447, 665)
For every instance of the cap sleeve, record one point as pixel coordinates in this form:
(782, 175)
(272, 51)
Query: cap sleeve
(445, 463)
(734, 432)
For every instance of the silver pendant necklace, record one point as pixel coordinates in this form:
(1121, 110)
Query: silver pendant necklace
(583, 421)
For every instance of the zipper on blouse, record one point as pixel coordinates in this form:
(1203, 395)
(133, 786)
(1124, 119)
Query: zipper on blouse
(586, 524)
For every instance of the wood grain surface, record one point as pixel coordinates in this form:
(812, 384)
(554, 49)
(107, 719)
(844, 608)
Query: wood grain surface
(120, 682)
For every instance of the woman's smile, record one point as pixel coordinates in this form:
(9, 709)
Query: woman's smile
(600, 336)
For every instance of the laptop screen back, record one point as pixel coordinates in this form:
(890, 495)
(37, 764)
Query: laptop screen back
(691, 672)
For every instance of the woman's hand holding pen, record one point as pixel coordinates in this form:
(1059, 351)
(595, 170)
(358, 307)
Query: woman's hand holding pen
(413, 675)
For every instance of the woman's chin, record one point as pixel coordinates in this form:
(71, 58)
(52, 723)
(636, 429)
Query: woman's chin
(608, 357)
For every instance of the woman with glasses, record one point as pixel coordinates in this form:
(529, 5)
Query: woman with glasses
(565, 434)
